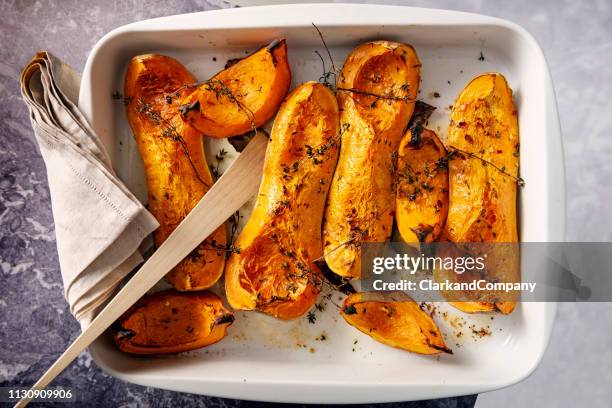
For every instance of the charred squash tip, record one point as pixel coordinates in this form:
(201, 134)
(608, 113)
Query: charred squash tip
(338, 282)
(442, 349)
(349, 310)
(422, 232)
(273, 46)
(225, 319)
(120, 332)
(275, 43)
(415, 134)
(188, 107)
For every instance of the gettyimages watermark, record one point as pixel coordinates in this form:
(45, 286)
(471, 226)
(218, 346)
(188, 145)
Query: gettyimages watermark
(490, 272)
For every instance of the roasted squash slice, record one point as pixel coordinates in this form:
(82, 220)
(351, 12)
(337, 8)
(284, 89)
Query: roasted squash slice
(376, 91)
(176, 171)
(274, 272)
(394, 319)
(242, 97)
(422, 186)
(172, 322)
(483, 139)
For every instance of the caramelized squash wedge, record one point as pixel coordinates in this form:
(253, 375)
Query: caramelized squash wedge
(176, 171)
(275, 271)
(172, 322)
(394, 319)
(422, 186)
(484, 139)
(376, 92)
(242, 97)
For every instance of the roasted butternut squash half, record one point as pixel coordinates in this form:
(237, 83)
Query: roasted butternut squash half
(422, 186)
(376, 91)
(274, 272)
(172, 322)
(394, 319)
(483, 139)
(176, 171)
(242, 97)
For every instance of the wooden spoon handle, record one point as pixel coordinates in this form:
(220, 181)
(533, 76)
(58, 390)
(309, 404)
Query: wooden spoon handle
(237, 185)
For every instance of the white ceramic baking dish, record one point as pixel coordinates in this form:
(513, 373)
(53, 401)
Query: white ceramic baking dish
(266, 359)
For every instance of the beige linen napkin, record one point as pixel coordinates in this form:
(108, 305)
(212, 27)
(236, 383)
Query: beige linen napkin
(99, 223)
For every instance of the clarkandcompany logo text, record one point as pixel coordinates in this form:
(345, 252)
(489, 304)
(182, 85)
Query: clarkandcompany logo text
(428, 285)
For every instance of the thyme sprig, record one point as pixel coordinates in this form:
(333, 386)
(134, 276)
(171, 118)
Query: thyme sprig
(228, 248)
(214, 169)
(326, 47)
(334, 249)
(326, 77)
(234, 221)
(168, 130)
(221, 90)
(387, 96)
(453, 152)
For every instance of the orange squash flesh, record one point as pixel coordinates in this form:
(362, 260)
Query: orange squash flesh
(376, 91)
(274, 272)
(172, 322)
(422, 187)
(176, 171)
(242, 97)
(394, 319)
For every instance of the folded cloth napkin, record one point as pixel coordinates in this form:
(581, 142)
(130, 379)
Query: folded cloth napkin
(99, 223)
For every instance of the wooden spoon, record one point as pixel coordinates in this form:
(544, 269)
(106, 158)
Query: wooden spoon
(237, 185)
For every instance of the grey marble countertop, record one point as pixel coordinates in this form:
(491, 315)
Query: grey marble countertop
(35, 325)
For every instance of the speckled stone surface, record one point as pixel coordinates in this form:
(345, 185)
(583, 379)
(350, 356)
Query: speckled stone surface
(35, 325)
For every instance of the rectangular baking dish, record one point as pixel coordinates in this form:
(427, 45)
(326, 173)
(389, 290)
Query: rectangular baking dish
(270, 360)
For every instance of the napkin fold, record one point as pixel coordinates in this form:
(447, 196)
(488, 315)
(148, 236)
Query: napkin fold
(99, 223)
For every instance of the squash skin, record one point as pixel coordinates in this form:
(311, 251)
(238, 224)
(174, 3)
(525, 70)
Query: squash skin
(422, 187)
(172, 322)
(482, 199)
(394, 319)
(361, 202)
(258, 83)
(274, 272)
(176, 171)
